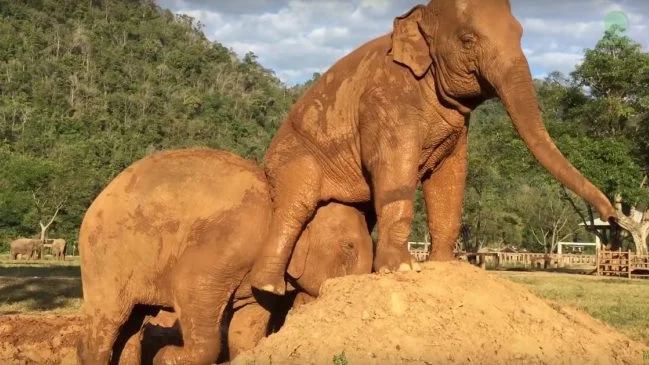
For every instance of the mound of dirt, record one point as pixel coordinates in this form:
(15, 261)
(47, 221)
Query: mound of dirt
(43, 340)
(450, 313)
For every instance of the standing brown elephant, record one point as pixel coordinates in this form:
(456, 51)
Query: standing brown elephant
(58, 249)
(29, 247)
(394, 113)
(180, 230)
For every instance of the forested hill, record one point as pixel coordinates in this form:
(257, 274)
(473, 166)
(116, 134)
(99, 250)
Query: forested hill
(87, 87)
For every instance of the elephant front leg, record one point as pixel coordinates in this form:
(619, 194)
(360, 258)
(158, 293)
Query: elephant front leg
(296, 187)
(394, 184)
(444, 196)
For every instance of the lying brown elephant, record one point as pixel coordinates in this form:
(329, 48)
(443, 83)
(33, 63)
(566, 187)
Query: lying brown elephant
(180, 230)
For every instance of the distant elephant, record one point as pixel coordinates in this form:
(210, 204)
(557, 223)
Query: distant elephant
(395, 112)
(180, 230)
(29, 247)
(58, 249)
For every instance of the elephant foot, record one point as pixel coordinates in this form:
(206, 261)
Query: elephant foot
(442, 255)
(268, 277)
(394, 259)
(187, 355)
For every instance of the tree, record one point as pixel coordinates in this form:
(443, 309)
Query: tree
(615, 74)
(550, 220)
(42, 205)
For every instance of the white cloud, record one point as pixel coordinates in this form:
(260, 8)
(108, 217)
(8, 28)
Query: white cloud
(552, 27)
(298, 37)
(556, 60)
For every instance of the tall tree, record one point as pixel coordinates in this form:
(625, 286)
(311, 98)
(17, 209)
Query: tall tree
(615, 75)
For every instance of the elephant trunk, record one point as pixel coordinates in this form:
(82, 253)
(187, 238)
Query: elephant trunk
(513, 84)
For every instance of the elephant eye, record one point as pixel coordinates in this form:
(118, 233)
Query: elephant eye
(468, 40)
(348, 245)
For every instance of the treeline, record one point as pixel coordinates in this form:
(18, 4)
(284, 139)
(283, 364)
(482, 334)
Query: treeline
(88, 87)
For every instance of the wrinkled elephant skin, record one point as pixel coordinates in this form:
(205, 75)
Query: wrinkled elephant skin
(394, 113)
(180, 230)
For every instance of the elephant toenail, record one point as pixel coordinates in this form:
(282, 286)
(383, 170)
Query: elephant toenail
(404, 267)
(269, 288)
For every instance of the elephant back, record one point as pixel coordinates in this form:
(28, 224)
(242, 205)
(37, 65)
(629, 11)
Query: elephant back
(152, 211)
(26, 243)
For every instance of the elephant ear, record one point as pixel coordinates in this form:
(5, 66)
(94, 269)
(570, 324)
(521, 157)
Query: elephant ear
(300, 253)
(409, 47)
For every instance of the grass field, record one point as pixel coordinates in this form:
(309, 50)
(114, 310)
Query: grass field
(622, 303)
(48, 286)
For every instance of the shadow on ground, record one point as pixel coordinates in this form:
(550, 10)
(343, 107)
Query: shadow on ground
(46, 271)
(38, 294)
(40, 287)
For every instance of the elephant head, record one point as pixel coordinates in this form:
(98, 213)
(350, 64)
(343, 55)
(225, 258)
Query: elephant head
(473, 50)
(336, 242)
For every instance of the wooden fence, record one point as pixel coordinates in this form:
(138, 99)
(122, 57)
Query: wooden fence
(622, 263)
(607, 263)
(527, 259)
(420, 255)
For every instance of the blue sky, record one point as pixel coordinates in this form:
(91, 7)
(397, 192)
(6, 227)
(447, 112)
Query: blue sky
(296, 38)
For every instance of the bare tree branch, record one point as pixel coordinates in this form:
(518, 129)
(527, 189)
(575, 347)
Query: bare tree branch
(590, 227)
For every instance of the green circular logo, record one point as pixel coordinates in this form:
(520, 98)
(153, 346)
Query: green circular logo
(616, 18)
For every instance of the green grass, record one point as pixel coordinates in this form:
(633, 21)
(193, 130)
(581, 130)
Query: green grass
(340, 359)
(622, 303)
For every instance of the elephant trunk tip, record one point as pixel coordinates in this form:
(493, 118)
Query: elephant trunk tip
(609, 215)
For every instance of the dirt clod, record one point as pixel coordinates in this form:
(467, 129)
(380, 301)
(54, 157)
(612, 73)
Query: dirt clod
(47, 339)
(450, 313)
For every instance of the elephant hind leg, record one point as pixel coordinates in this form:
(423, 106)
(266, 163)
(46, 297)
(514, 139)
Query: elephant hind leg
(102, 329)
(200, 299)
(129, 329)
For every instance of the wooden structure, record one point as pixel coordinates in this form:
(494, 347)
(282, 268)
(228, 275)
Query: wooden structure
(420, 255)
(602, 227)
(419, 250)
(560, 245)
(622, 263)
